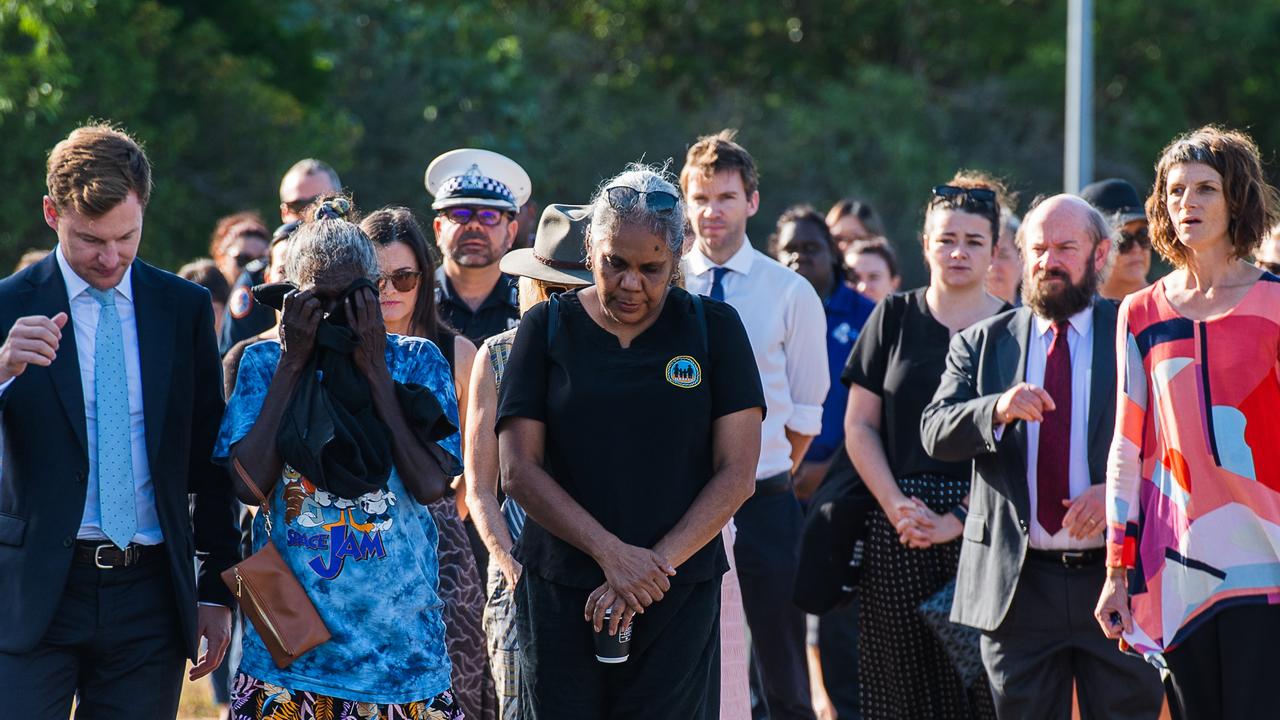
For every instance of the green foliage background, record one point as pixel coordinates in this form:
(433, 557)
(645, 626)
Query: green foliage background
(875, 98)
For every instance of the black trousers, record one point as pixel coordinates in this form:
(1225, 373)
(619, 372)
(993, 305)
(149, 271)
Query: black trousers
(115, 644)
(767, 551)
(673, 671)
(838, 651)
(1225, 668)
(1050, 638)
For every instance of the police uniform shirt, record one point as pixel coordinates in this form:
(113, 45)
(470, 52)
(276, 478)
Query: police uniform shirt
(499, 312)
(628, 430)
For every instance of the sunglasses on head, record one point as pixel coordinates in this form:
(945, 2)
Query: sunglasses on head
(960, 197)
(402, 280)
(483, 215)
(1142, 238)
(622, 197)
(297, 206)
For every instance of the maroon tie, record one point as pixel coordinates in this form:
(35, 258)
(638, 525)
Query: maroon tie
(1053, 463)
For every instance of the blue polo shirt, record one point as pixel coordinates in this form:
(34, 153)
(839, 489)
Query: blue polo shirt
(847, 311)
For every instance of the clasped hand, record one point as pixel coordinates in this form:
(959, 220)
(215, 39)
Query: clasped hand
(635, 578)
(919, 527)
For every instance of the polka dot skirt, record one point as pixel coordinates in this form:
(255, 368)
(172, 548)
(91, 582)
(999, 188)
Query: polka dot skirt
(905, 672)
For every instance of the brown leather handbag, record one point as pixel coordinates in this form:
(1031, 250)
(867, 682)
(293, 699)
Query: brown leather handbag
(272, 598)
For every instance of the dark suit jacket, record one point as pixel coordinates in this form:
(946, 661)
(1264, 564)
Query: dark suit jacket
(46, 465)
(983, 361)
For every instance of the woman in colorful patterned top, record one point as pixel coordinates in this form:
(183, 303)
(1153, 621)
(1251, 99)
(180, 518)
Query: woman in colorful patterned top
(367, 560)
(1193, 481)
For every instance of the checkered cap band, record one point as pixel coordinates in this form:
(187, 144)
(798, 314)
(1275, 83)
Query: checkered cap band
(474, 185)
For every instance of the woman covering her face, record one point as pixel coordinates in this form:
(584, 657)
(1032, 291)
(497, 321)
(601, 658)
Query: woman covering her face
(351, 526)
(629, 430)
(911, 550)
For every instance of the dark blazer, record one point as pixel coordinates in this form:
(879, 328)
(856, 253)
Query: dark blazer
(983, 361)
(46, 465)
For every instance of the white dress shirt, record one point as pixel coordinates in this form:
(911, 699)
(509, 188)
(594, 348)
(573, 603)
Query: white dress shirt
(787, 328)
(84, 318)
(1080, 342)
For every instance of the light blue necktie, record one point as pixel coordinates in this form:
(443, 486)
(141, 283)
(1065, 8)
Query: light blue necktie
(116, 511)
(717, 282)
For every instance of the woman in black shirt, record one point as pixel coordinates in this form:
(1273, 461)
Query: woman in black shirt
(629, 429)
(911, 553)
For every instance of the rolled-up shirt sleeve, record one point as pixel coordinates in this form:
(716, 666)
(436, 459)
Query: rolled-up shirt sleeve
(806, 353)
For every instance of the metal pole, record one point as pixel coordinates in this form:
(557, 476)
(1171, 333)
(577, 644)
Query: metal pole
(1078, 155)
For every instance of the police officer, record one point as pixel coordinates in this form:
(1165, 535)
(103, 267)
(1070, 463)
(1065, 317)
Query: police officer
(477, 194)
(245, 318)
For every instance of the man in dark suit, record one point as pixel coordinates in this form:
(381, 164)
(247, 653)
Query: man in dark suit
(110, 392)
(1029, 396)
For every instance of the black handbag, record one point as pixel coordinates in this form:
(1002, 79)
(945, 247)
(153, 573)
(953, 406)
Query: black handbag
(835, 531)
(960, 642)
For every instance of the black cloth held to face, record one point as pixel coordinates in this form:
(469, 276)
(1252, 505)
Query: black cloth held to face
(330, 431)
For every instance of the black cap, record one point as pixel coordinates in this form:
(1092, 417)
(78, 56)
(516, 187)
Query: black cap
(1116, 199)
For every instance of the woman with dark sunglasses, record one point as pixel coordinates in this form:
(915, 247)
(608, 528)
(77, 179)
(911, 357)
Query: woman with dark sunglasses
(911, 549)
(1118, 200)
(629, 430)
(407, 296)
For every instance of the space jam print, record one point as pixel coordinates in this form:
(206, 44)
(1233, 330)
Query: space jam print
(337, 529)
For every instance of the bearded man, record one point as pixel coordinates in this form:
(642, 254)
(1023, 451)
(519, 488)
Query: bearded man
(478, 194)
(1029, 395)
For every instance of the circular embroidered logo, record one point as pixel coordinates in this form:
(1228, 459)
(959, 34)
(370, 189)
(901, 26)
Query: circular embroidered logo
(241, 303)
(683, 371)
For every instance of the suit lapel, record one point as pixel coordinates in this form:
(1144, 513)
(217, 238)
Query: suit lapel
(154, 315)
(1012, 353)
(48, 297)
(1102, 388)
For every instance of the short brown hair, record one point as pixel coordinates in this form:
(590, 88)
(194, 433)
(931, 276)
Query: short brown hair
(1251, 202)
(252, 225)
(718, 153)
(95, 168)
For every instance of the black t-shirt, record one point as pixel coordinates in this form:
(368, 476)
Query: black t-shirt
(900, 356)
(628, 430)
(499, 312)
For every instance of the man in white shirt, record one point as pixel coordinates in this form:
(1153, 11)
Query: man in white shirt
(1029, 396)
(787, 327)
(111, 392)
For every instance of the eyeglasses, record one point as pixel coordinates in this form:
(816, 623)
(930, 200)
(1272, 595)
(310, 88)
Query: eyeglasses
(485, 216)
(623, 197)
(297, 206)
(960, 197)
(1142, 238)
(402, 280)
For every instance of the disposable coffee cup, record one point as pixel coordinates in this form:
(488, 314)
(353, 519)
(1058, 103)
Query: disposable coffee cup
(613, 649)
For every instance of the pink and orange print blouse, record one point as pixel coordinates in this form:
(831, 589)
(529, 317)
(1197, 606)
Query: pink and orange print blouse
(1193, 479)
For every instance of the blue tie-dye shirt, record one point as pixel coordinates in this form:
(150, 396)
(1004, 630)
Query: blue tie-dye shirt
(369, 565)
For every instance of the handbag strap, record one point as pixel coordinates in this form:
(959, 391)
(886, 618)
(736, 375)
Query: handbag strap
(265, 505)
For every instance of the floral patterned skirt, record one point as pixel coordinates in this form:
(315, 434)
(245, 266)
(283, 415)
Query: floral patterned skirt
(252, 699)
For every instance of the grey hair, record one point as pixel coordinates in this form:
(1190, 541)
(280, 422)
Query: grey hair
(606, 219)
(329, 246)
(312, 166)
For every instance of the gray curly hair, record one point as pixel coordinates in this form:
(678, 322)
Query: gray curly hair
(668, 225)
(326, 246)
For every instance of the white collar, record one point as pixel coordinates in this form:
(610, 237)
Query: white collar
(740, 261)
(1081, 322)
(77, 285)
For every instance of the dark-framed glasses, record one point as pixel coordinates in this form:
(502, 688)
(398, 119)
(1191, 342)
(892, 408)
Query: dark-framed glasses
(1141, 238)
(297, 206)
(960, 197)
(484, 215)
(623, 197)
(402, 280)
